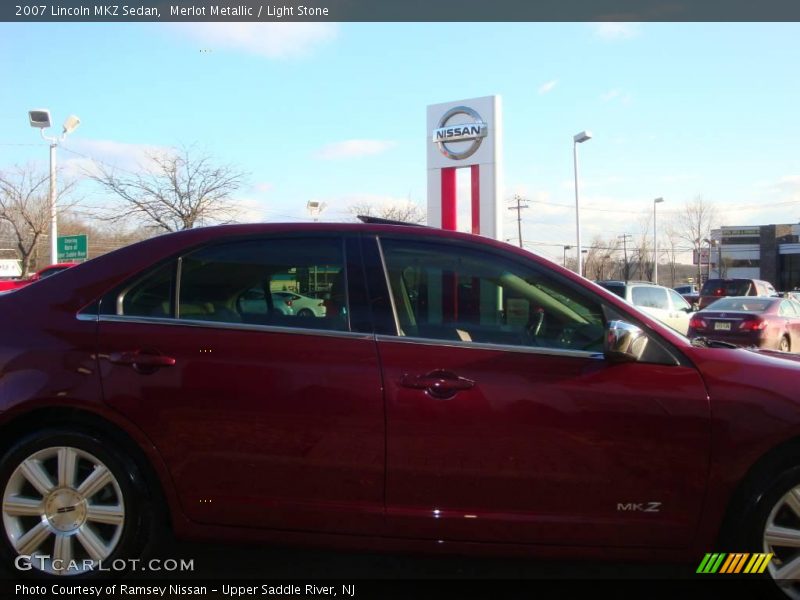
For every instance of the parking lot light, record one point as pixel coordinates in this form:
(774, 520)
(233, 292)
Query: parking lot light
(40, 119)
(578, 138)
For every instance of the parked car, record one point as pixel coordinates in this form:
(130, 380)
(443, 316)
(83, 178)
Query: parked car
(714, 289)
(750, 321)
(663, 303)
(254, 302)
(302, 306)
(689, 288)
(13, 284)
(460, 395)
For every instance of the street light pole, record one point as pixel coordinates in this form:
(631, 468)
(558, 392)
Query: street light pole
(578, 138)
(564, 262)
(40, 119)
(656, 202)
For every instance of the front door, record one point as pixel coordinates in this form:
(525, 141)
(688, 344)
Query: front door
(505, 422)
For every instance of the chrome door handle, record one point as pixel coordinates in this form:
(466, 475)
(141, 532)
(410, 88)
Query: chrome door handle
(440, 384)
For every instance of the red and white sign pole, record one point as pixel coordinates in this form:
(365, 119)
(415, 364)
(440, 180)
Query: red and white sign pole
(462, 134)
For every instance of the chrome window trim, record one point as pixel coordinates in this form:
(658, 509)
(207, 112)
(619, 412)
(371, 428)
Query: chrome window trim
(176, 301)
(561, 352)
(230, 326)
(388, 286)
(87, 317)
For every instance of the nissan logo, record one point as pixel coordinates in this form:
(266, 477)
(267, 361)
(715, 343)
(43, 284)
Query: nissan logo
(474, 130)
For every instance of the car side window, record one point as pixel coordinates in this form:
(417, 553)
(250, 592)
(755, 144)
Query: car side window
(786, 309)
(649, 297)
(459, 293)
(678, 301)
(279, 282)
(148, 296)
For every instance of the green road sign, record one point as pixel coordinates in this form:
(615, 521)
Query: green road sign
(73, 247)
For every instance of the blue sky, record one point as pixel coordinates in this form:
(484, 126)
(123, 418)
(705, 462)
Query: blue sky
(336, 112)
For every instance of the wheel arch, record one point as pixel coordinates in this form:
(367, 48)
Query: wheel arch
(20, 425)
(751, 488)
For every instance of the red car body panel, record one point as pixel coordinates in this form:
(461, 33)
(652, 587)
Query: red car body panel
(543, 449)
(533, 460)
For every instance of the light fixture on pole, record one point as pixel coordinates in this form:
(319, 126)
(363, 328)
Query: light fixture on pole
(656, 202)
(315, 208)
(40, 119)
(578, 138)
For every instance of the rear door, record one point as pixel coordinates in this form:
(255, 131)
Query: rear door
(506, 424)
(263, 418)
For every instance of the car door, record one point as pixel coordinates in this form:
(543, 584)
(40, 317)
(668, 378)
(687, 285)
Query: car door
(679, 313)
(263, 419)
(506, 424)
(653, 300)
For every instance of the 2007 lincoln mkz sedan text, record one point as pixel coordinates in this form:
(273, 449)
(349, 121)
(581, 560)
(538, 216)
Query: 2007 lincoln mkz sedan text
(455, 393)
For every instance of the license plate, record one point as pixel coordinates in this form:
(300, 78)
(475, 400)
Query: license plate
(722, 326)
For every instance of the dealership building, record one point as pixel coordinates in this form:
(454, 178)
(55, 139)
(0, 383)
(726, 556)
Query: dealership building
(769, 252)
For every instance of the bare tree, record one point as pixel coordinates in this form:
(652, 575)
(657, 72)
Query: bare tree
(407, 212)
(178, 189)
(643, 248)
(25, 209)
(695, 221)
(599, 262)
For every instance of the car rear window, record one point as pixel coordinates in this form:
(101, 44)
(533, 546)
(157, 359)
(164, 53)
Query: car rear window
(753, 305)
(726, 287)
(617, 288)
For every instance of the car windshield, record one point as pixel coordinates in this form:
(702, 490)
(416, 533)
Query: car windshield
(752, 305)
(726, 287)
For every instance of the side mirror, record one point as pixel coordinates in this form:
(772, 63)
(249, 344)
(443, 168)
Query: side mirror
(624, 342)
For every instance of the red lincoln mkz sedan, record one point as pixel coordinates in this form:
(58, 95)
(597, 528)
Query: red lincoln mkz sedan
(456, 393)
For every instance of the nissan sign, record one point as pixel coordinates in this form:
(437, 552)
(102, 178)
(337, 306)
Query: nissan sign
(461, 138)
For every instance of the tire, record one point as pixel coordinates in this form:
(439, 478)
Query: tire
(785, 345)
(305, 312)
(72, 501)
(778, 511)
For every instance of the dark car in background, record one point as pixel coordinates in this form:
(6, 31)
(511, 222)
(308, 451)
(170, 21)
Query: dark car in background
(750, 321)
(458, 395)
(714, 289)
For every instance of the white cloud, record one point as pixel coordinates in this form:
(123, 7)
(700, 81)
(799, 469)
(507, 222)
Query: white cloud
(616, 95)
(87, 153)
(270, 40)
(263, 187)
(616, 31)
(353, 149)
(609, 95)
(547, 87)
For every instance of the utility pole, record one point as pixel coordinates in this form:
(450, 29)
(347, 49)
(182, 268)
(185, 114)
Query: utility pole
(519, 200)
(625, 237)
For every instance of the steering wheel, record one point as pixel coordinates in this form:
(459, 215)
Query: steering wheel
(535, 327)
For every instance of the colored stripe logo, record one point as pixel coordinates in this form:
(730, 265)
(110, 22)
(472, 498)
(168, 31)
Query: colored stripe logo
(737, 562)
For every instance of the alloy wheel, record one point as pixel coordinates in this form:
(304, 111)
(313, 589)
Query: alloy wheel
(64, 508)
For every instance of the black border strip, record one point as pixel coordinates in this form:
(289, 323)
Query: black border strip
(400, 10)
